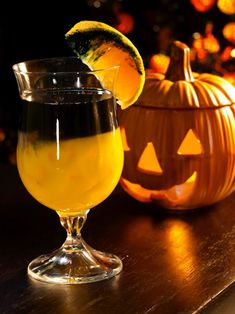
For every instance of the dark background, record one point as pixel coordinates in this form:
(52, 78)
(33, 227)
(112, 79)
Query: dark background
(36, 30)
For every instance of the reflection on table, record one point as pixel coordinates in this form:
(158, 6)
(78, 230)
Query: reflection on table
(171, 261)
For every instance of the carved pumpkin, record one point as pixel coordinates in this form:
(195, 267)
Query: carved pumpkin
(179, 137)
(230, 77)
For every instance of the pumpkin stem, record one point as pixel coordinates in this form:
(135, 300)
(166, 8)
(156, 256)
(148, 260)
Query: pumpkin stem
(179, 67)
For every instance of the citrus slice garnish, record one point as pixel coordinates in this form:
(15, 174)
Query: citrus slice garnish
(101, 46)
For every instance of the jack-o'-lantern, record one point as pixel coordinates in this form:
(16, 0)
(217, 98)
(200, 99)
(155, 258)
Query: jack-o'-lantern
(179, 137)
(230, 76)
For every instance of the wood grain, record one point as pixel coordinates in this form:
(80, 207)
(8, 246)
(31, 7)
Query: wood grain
(173, 263)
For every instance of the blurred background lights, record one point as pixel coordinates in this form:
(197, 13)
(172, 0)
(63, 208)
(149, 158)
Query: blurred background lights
(226, 6)
(203, 5)
(229, 32)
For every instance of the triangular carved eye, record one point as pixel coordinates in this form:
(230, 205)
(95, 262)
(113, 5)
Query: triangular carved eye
(124, 140)
(148, 162)
(190, 145)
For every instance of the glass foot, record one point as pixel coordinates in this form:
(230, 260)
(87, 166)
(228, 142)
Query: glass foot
(75, 265)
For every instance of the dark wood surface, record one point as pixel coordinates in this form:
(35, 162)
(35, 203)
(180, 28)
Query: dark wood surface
(173, 263)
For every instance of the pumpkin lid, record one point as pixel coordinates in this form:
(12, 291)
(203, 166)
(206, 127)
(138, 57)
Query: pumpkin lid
(180, 88)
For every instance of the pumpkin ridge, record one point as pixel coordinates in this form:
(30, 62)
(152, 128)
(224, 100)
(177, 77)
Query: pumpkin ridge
(187, 97)
(223, 85)
(210, 95)
(204, 91)
(220, 96)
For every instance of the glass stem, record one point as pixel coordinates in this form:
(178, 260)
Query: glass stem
(73, 226)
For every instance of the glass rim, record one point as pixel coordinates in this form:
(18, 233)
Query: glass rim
(16, 66)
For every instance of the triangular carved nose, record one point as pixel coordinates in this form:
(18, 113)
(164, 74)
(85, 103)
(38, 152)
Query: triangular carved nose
(148, 162)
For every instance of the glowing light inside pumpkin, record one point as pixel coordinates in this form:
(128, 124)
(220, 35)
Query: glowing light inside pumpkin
(148, 162)
(181, 192)
(172, 195)
(190, 145)
(124, 140)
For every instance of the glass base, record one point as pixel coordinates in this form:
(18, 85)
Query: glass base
(75, 264)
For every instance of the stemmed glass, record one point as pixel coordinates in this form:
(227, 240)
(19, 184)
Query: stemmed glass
(69, 157)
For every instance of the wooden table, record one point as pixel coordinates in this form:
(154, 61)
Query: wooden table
(173, 263)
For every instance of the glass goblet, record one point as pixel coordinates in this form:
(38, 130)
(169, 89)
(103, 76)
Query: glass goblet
(69, 157)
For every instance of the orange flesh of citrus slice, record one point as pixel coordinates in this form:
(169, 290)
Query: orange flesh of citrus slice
(100, 46)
